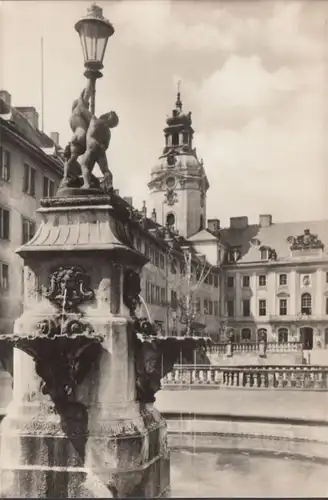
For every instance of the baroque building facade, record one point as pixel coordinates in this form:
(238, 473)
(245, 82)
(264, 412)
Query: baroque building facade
(30, 168)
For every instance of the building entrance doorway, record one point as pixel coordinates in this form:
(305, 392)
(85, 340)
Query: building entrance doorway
(307, 337)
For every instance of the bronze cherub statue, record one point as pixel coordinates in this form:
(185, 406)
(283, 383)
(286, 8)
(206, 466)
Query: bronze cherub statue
(90, 140)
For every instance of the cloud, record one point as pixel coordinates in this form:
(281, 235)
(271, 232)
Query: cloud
(161, 24)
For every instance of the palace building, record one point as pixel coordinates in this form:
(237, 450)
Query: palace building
(244, 281)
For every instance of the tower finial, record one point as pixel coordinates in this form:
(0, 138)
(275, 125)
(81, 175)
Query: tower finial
(178, 102)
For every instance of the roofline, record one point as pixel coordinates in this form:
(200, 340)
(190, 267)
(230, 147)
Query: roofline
(17, 137)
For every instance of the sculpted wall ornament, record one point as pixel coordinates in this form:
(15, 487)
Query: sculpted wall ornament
(171, 196)
(305, 241)
(69, 288)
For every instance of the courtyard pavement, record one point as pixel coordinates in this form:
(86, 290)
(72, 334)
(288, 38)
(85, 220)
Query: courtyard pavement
(308, 405)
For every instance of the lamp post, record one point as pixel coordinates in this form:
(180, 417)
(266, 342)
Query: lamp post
(94, 31)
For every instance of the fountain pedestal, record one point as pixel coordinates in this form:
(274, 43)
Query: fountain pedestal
(76, 426)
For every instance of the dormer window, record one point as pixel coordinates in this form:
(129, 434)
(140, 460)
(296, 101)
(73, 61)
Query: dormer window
(264, 254)
(233, 255)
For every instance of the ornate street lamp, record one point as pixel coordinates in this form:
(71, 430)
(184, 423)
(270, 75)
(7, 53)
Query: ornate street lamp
(94, 31)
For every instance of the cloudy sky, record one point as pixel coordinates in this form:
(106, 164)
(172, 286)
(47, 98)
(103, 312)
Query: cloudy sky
(254, 74)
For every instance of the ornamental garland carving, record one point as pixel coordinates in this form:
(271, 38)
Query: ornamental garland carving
(171, 196)
(305, 241)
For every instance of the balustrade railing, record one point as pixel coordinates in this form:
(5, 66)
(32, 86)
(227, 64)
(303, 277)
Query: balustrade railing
(261, 377)
(254, 347)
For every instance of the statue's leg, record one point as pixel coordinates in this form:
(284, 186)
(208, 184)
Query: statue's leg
(103, 165)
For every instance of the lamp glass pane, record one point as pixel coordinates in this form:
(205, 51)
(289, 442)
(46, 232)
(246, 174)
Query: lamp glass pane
(94, 36)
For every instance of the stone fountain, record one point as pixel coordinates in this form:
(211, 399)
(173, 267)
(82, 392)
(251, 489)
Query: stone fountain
(82, 422)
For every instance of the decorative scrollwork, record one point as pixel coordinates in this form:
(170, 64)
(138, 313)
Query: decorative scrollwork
(68, 288)
(305, 241)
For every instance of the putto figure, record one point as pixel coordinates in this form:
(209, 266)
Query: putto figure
(90, 140)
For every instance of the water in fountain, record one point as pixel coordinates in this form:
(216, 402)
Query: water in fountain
(63, 310)
(146, 308)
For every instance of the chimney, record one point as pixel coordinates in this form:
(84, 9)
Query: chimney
(238, 222)
(265, 220)
(128, 200)
(213, 225)
(144, 209)
(30, 114)
(6, 97)
(154, 215)
(54, 136)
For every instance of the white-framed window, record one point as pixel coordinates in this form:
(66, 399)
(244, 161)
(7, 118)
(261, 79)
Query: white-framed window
(306, 304)
(246, 307)
(283, 335)
(262, 307)
(230, 282)
(29, 180)
(246, 334)
(264, 254)
(231, 308)
(5, 163)
(282, 307)
(28, 229)
(282, 279)
(4, 224)
(245, 281)
(262, 280)
(4, 276)
(48, 187)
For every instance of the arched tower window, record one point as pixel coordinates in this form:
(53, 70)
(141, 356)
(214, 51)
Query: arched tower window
(170, 220)
(306, 304)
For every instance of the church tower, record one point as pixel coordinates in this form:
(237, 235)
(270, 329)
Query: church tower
(178, 182)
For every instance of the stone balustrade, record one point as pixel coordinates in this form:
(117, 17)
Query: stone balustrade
(255, 377)
(254, 347)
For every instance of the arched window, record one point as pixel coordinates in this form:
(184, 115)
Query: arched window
(246, 334)
(283, 335)
(262, 334)
(170, 220)
(306, 304)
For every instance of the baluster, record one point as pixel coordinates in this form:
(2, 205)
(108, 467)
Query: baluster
(247, 379)
(318, 380)
(209, 376)
(271, 378)
(280, 381)
(263, 379)
(168, 379)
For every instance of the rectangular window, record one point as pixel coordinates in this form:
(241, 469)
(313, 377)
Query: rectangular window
(282, 279)
(210, 279)
(48, 187)
(210, 307)
(161, 261)
(327, 305)
(206, 306)
(4, 224)
(174, 300)
(29, 180)
(245, 281)
(163, 296)
(230, 282)
(216, 308)
(148, 292)
(153, 293)
(231, 308)
(264, 254)
(246, 307)
(283, 307)
(198, 306)
(28, 230)
(262, 280)
(158, 295)
(262, 307)
(216, 280)
(156, 258)
(4, 165)
(4, 276)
